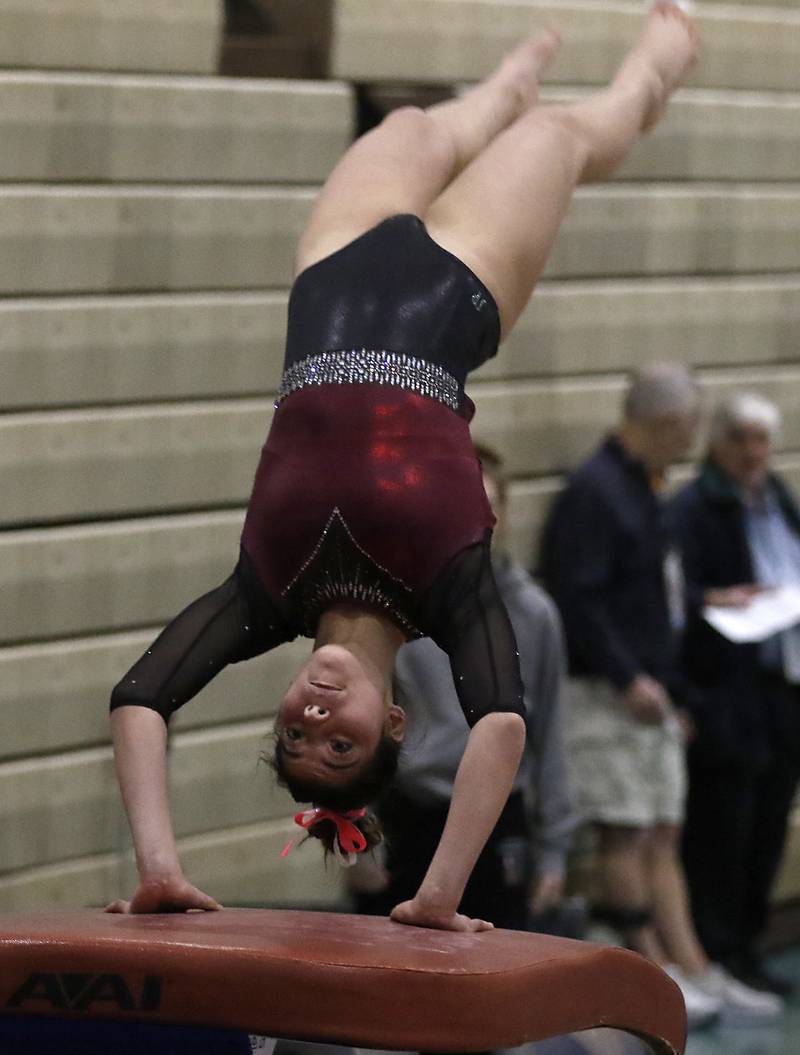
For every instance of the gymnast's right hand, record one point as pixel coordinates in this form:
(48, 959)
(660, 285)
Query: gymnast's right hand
(170, 893)
(415, 914)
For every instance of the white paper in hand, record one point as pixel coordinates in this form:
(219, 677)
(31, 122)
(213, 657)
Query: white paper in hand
(767, 614)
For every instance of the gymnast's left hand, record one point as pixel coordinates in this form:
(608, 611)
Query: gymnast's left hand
(166, 894)
(415, 914)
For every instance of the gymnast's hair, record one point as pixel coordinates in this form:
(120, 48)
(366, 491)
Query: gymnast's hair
(362, 790)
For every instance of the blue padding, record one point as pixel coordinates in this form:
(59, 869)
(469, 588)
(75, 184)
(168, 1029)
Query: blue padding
(603, 1042)
(45, 1036)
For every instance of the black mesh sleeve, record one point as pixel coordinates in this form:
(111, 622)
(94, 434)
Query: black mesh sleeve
(465, 615)
(234, 622)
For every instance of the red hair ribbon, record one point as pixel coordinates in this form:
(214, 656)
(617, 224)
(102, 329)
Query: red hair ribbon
(349, 839)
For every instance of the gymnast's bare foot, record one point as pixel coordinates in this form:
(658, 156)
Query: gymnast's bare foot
(667, 49)
(499, 100)
(521, 69)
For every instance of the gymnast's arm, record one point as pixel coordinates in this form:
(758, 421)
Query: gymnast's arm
(140, 752)
(473, 627)
(231, 623)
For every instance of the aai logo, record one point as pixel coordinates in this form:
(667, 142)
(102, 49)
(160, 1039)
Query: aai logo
(85, 992)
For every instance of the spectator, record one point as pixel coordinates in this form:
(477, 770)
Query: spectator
(521, 868)
(739, 528)
(613, 569)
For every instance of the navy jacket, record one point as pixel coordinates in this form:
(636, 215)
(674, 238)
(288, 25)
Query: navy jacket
(602, 561)
(729, 714)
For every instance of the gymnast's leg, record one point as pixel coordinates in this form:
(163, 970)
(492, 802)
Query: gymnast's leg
(406, 162)
(502, 213)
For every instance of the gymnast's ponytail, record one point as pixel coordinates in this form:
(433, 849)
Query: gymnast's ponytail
(331, 829)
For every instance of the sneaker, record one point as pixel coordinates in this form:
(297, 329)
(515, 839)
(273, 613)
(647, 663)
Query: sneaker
(741, 1005)
(603, 934)
(701, 1008)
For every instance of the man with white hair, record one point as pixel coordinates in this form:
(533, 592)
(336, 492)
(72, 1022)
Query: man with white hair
(739, 528)
(612, 566)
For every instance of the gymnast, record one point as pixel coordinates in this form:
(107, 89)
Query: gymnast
(368, 524)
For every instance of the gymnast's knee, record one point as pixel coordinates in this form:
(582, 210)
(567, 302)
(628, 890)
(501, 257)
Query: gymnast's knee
(421, 131)
(569, 136)
(410, 121)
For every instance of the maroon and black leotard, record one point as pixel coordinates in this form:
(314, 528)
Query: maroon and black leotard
(368, 490)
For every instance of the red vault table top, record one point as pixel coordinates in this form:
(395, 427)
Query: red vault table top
(332, 978)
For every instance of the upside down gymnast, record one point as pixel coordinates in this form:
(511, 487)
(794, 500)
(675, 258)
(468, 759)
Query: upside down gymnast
(368, 524)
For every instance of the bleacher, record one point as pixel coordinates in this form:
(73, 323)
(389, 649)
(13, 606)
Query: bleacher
(148, 213)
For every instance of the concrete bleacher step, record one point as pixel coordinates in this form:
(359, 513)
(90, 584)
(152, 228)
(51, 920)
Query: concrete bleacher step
(248, 859)
(442, 41)
(81, 351)
(74, 127)
(145, 35)
(74, 351)
(217, 778)
(58, 807)
(716, 135)
(57, 127)
(66, 466)
(82, 881)
(54, 696)
(98, 578)
(78, 463)
(604, 326)
(627, 229)
(238, 865)
(85, 240)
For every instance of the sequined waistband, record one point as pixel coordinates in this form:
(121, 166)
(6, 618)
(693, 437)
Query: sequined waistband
(361, 366)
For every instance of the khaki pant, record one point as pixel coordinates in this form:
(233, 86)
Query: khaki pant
(622, 771)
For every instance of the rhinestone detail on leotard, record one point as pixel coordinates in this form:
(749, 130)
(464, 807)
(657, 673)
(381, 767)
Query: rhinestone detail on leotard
(361, 366)
(340, 570)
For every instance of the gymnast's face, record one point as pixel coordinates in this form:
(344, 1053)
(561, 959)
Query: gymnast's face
(333, 717)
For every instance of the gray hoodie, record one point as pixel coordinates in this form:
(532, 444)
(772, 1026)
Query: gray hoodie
(437, 732)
